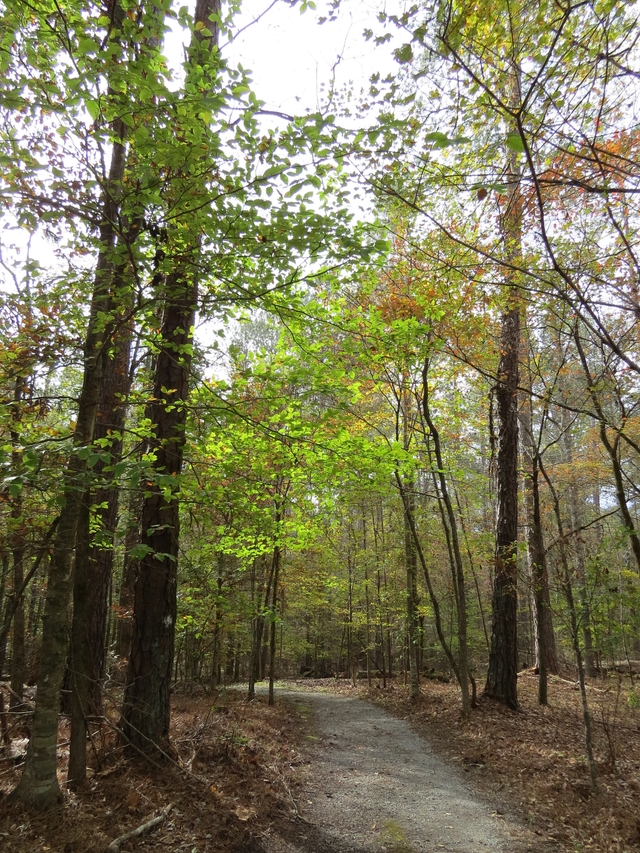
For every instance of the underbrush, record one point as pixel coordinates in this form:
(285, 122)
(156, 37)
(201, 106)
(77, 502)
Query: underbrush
(232, 778)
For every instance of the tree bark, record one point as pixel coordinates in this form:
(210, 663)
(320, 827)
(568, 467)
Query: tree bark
(546, 656)
(453, 540)
(146, 708)
(146, 701)
(502, 674)
(18, 553)
(39, 784)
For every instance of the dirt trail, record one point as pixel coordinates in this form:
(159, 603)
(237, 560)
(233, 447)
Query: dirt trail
(375, 785)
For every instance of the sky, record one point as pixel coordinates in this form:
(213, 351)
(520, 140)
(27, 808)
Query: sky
(292, 55)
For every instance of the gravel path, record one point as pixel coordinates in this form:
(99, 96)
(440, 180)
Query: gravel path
(374, 785)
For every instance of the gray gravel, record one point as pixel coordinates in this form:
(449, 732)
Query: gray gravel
(375, 785)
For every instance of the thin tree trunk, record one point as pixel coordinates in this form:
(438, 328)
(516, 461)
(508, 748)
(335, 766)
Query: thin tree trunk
(19, 552)
(80, 656)
(575, 634)
(129, 576)
(612, 451)
(411, 564)
(581, 574)
(5, 604)
(453, 540)
(39, 784)
(427, 577)
(546, 656)
(277, 557)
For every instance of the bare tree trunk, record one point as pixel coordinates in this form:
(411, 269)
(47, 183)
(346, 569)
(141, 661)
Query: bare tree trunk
(546, 656)
(502, 674)
(80, 656)
(146, 711)
(411, 564)
(129, 577)
(427, 577)
(575, 634)
(453, 540)
(5, 607)
(581, 574)
(39, 784)
(277, 558)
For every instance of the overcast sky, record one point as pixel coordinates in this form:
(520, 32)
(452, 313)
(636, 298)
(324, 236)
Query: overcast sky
(292, 55)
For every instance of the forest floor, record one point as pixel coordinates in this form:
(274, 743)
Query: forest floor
(533, 762)
(244, 772)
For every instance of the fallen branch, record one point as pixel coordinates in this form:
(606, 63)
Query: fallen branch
(114, 847)
(284, 784)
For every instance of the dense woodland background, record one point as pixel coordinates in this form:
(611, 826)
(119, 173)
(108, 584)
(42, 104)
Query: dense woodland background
(404, 436)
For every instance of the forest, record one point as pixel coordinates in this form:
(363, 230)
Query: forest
(349, 393)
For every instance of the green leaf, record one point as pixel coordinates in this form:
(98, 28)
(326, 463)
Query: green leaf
(441, 140)
(403, 54)
(515, 143)
(15, 489)
(139, 551)
(93, 108)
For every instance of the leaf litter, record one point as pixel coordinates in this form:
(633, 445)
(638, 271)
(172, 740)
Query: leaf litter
(233, 776)
(533, 761)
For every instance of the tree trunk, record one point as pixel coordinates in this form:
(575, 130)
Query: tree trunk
(39, 784)
(575, 638)
(110, 423)
(5, 609)
(453, 541)
(19, 552)
(146, 709)
(580, 563)
(93, 563)
(274, 609)
(146, 706)
(129, 577)
(502, 674)
(80, 655)
(546, 656)
(612, 451)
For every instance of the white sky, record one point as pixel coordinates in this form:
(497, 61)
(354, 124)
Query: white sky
(291, 55)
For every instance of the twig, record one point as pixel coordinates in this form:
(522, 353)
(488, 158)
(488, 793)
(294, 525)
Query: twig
(114, 847)
(21, 699)
(283, 782)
